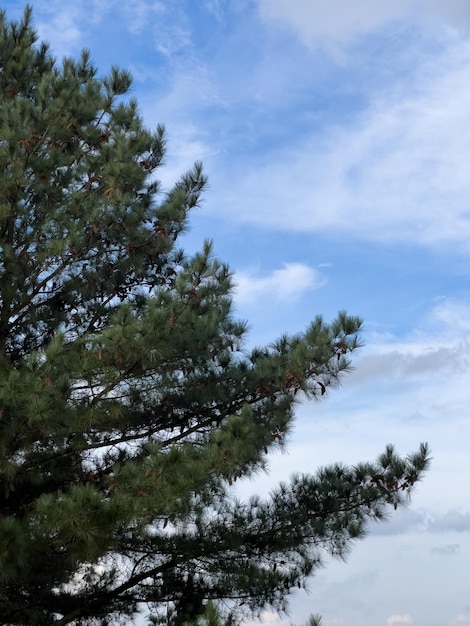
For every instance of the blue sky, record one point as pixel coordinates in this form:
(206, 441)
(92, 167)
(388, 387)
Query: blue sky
(336, 138)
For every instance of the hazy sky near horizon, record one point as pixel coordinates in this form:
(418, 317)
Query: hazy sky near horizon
(336, 138)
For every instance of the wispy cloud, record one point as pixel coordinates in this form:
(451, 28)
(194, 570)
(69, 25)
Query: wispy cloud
(63, 27)
(140, 14)
(396, 172)
(450, 313)
(67, 25)
(393, 172)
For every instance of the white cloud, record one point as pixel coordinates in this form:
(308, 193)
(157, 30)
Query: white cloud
(323, 22)
(398, 173)
(337, 19)
(286, 284)
(268, 617)
(399, 619)
(461, 620)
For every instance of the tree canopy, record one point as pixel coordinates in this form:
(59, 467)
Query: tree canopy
(129, 404)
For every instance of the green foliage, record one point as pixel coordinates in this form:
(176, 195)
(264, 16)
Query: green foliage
(128, 404)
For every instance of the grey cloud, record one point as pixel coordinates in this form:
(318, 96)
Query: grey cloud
(453, 520)
(400, 522)
(398, 366)
(347, 589)
(454, 12)
(408, 521)
(450, 548)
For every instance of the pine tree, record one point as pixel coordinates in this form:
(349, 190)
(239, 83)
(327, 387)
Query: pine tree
(128, 403)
